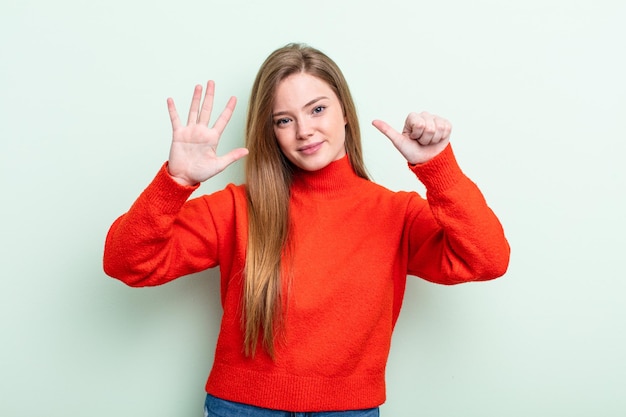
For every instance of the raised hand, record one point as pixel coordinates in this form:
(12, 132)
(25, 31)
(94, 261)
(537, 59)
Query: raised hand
(424, 135)
(193, 153)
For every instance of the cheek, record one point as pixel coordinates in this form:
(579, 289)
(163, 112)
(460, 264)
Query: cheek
(339, 124)
(341, 129)
(281, 138)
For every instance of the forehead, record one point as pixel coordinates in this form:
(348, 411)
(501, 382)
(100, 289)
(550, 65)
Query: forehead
(298, 89)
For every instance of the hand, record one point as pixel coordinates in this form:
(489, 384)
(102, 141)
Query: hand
(424, 136)
(193, 154)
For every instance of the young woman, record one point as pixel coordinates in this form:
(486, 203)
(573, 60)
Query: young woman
(313, 256)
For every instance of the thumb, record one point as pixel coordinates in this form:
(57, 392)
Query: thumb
(388, 131)
(231, 157)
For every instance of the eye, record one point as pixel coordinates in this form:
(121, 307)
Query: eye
(319, 109)
(281, 121)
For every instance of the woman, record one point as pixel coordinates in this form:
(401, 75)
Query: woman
(313, 256)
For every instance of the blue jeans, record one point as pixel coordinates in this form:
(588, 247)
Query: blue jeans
(216, 407)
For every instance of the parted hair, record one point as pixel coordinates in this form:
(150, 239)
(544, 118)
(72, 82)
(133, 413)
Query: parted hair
(268, 179)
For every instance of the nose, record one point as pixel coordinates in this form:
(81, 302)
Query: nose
(304, 129)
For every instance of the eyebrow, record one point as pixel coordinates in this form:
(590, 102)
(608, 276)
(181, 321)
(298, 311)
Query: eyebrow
(315, 100)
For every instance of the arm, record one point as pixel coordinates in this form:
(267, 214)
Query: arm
(163, 236)
(455, 237)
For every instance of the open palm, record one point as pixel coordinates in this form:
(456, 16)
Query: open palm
(193, 153)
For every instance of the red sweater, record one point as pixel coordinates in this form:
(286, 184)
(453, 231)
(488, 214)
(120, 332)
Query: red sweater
(355, 244)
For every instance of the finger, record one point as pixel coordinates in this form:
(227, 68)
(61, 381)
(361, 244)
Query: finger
(207, 104)
(171, 108)
(438, 135)
(387, 130)
(232, 156)
(439, 130)
(222, 121)
(429, 131)
(192, 118)
(447, 129)
(443, 129)
(414, 126)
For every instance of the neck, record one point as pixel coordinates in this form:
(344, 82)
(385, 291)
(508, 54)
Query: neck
(334, 180)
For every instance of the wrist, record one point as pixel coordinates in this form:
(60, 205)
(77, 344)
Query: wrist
(184, 181)
(440, 172)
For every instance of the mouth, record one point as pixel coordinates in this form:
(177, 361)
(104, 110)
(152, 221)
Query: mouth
(311, 148)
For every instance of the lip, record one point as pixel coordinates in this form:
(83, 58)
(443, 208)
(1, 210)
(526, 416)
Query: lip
(311, 148)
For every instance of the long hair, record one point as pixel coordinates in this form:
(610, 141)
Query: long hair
(268, 179)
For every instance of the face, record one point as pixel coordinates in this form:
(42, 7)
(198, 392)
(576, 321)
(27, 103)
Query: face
(309, 123)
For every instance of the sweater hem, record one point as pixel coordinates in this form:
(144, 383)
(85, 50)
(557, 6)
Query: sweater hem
(296, 393)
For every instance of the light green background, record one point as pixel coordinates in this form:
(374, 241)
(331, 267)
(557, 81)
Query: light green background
(535, 90)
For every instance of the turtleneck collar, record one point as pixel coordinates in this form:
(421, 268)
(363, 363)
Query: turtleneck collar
(333, 181)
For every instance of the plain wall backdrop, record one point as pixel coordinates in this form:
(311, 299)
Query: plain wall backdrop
(536, 94)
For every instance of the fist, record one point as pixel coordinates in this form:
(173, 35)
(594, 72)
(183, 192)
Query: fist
(423, 136)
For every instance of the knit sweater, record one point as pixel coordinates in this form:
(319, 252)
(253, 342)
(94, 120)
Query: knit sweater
(355, 244)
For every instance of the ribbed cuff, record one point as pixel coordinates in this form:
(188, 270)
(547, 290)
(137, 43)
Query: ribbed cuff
(167, 195)
(440, 173)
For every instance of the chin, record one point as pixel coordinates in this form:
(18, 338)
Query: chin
(312, 165)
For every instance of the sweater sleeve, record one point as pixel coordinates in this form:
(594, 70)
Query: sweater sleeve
(455, 237)
(162, 237)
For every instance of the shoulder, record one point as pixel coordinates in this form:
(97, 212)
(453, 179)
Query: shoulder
(230, 198)
(231, 194)
(384, 196)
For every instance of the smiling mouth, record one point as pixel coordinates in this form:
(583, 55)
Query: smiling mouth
(310, 149)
